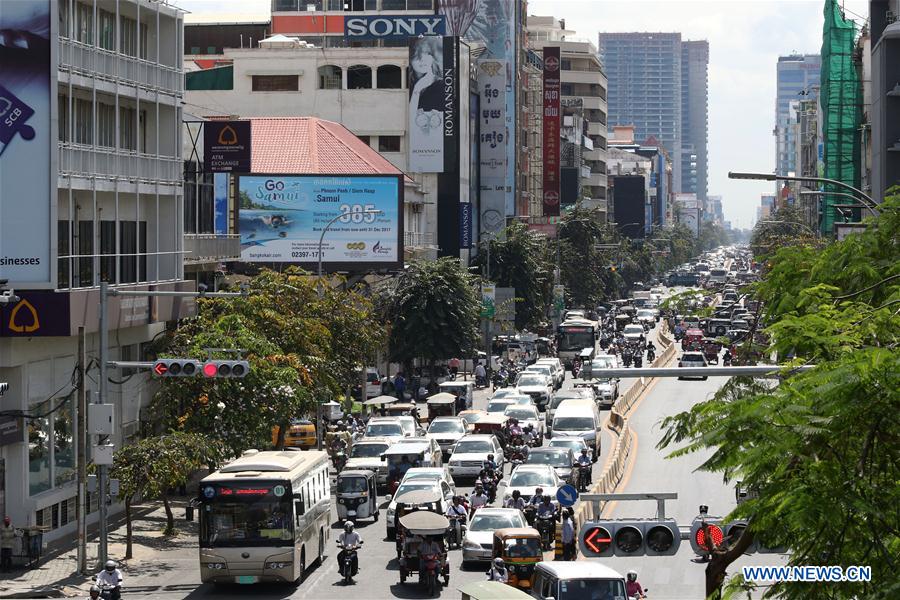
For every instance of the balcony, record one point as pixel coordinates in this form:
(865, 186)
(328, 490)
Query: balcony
(89, 61)
(106, 162)
(418, 239)
(211, 247)
(580, 76)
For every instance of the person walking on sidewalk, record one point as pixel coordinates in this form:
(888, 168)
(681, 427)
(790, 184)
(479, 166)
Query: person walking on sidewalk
(7, 537)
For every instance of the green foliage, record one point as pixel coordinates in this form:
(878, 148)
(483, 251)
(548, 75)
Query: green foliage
(584, 269)
(785, 227)
(822, 449)
(522, 260)
(432, 309)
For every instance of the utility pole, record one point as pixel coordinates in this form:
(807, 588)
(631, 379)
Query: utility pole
(81, 440)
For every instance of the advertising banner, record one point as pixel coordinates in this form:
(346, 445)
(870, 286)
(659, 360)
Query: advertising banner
(37, 314)
(551, 130)
(226, 146)
(491, 79)
(492, 23)
(426, 104)
(281, 219)
(488, 304)
(394, 26)
(220, 198)
(28, 143)
(448, 200)
(465, 225)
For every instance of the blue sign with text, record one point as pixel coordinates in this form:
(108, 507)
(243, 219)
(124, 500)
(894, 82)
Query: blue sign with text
(465, 225)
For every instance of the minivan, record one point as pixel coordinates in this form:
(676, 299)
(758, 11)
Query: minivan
(579, 418)
(575, 580)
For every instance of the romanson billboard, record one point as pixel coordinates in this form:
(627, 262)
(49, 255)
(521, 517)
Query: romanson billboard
(433, 104)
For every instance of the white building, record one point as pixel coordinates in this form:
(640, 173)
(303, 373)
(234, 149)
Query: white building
(119, 214)
(364, 89)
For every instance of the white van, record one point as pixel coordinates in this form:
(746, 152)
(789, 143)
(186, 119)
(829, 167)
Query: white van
(575, 580)
(579, 418)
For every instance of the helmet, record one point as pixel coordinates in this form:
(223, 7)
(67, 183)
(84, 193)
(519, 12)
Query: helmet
(95, 591)
(632, 575)
(584, 450)
(111, 565)
(490, 457)
(516, 493)
(547, 498)
(348, 526)
(498, 562)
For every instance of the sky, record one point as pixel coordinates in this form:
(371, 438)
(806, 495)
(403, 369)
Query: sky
(745, 38)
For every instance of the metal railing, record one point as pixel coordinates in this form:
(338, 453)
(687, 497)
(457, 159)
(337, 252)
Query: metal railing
(201, 247)
(418, 239)
(106, 64)
(106, 162)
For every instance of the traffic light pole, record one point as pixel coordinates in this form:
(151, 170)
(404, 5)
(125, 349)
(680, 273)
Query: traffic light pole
(769, 371)
(660, 498)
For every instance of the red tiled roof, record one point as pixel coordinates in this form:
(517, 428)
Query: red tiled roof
(309, 145)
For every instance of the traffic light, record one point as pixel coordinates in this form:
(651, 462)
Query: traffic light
(733, 533)
(699, 542)
(634, 537)
(225, 368)
(176, 367)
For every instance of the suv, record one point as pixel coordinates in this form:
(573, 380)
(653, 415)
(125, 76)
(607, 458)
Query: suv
(559, 373)
(558, 397)
(693, 359)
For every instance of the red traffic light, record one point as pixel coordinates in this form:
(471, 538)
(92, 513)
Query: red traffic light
(210, 369)
(160, 368)
(715, 534)
(597, 539)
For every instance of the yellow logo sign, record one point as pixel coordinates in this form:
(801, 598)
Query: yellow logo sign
(17, 327)
(356, 246)
(228, 136)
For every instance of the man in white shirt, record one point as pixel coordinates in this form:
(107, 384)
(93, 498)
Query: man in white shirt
(457, 514)
(479, 498)
(348, 539)
(111, 577)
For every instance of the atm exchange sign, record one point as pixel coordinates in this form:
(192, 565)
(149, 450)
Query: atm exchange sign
(394, 26)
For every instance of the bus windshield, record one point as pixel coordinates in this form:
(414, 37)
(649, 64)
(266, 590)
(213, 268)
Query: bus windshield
(575, 338)
(245, 519)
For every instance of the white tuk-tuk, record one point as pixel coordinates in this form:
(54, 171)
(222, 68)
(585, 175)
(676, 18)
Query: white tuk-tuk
(466, 388)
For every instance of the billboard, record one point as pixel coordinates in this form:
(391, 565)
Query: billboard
(28, 144)
(491, 79)
(220, 201)
(226, 146)
(492, 23)
(433, 100)
(393, 26)
(282, 218)
(629, 200)
(551, 131)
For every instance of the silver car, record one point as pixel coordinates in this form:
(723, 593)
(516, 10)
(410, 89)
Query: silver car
(478, 541)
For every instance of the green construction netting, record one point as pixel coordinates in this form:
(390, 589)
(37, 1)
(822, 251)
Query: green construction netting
(218, 78)
(841, 100)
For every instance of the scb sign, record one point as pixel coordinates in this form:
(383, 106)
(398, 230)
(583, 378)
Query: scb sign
(400, 26)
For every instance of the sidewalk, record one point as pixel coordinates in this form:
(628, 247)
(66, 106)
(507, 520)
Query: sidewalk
(156, 560)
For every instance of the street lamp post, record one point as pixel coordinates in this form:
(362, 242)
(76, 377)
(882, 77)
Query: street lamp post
(867, 200)
(775, 221)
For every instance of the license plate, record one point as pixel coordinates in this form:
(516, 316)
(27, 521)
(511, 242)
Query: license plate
(245, 579)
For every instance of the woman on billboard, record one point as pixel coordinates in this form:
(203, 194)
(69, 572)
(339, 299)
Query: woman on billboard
(426, 117)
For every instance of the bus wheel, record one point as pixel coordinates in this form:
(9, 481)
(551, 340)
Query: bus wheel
(302, 565)
(321, 558)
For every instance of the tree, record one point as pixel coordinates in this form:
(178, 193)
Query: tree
(432, 309)
(153, 466)
(822, 449)
(784, 227)
(585, 269)
(520, 260)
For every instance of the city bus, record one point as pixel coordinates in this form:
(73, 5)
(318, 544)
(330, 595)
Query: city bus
(573, 336)
(264, 517)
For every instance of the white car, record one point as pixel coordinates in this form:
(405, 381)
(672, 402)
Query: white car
(557, 399)
(545, 370)
(559, 372)
(504, 392)
(498, 406)
(447, 431)
(527, 478)
(527, 415)
(633, 333)
(469, 454)
(479, 539)
(693, 359)
(366, 454)
(435, 484)
(647, 315)
(575, 443)
(385, 427)
(538, 386)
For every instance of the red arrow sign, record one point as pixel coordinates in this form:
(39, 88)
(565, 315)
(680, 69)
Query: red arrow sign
(160, 369)
(597, 539)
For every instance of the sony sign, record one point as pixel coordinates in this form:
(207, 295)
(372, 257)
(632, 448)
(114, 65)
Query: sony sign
(400, 26)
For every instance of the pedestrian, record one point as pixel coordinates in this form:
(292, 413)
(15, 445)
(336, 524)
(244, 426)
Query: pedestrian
(460, 402)
(7, 537)
(454, 367)
(480, 375)
(399, 385)
(570, 552)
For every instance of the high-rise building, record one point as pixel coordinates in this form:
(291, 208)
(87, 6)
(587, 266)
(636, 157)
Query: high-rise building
(695, 117)
(645, 89)
(885, 96)
(798, 79)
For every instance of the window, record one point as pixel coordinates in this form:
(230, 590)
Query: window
(85, 248)
(106, 29)
(364, 139)
(134, 242)
(359, 77)
(128, 129)
(133, 38)
(389, 143)
(566, 89)
(84, 24)
(330, 77)
(83, 121)
(63, 248)
(390, 77)
(106, 125)
(108, 246)
(63, 131)
(276, 83)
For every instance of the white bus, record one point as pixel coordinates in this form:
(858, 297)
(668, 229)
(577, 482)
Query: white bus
(573, 336)
(264, 517)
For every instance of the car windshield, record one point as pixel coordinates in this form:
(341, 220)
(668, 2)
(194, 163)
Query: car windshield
(503, 393)
(483, 522)
(498, 406)
(574, 443)
(554, 459)
(572, 423)
(446, 427)
(367, 450)
(527, 379)
(521, 412)
(473, 447)
(523, 548)
(589, 589)
(471, 417)
(542, 370)
(383, 429)
(692, 357)
(633, 329)
(531, 479)
(557, 399)
(352, 485)
(522, 399)
(415, 486)
(239, 518)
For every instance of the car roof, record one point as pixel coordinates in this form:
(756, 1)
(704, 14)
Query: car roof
(582, 569)
(375, 440)
(477, 436)
(446, 418)
(548, 450)
(527, 467)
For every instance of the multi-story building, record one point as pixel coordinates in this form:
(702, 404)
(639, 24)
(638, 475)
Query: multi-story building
(798, 79)
(885, 96)
(695, 117)
(645, 90)
(117, 90)
(582, 76)
(660, 173)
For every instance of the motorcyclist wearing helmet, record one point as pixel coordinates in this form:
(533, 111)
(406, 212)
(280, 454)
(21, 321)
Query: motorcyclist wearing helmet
(516, 501)
(498, 571)
(633, 588)
(94, 592)
(490, 461)
(349, 539)
(111, 577)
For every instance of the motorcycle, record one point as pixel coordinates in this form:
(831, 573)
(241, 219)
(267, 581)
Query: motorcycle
(498, 381)
(546, 524)
(490, 488)
(584, 477)
(651, 354)
(638, 360)
(530, 514)
(340, 460)
(432, 567)
(108, 591)
(727, 359)
(576, 369)
(456, 532)
(348, 565)
(626, 358)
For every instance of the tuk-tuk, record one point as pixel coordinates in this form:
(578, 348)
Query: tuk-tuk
(401, 409)
(622, 321)
(585, 357)
(357, 496)
(380, 404)
(543, 346)
(520, 549)
(471, 417)
(466, 388)
(491, 590)
(414, 527)
(441, 405)
(405, 455)
(490, 423)
(711, 349)
(300, 434)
